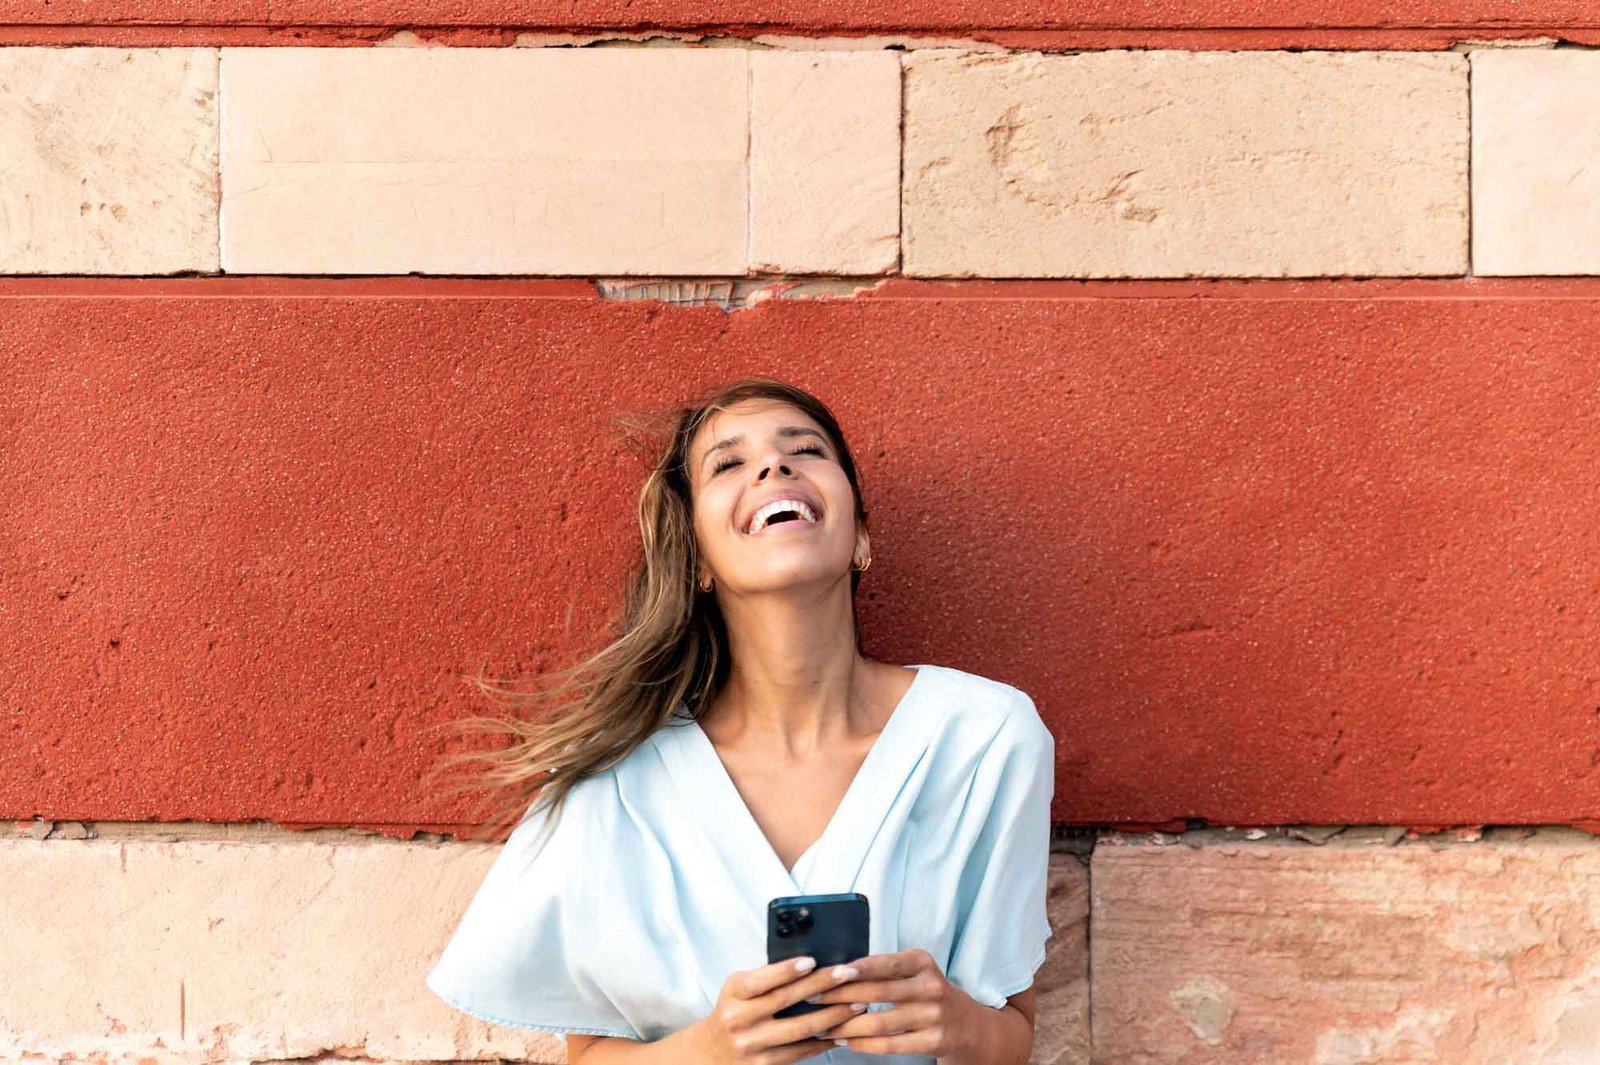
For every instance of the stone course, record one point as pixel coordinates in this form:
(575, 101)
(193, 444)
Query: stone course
(733, 161)
(1314, 944)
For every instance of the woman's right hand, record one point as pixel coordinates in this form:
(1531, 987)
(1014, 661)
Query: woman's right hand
(742, 1030)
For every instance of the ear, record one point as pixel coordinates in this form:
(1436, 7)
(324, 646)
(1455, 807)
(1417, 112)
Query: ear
(863, 543)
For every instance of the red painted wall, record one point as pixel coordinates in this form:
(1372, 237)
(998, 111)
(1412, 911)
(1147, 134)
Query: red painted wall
(894, 17)
(1262, 552)
(1017, 24)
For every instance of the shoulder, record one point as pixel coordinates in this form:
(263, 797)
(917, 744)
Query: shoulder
(559, 829)
(1007, 709)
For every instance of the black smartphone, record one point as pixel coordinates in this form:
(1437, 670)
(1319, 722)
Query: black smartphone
(830, 928)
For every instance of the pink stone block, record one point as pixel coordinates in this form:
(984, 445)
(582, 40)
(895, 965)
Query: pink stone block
(1471, 954)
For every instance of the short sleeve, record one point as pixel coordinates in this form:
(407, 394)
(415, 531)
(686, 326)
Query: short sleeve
(514, 959)
(1002, 925)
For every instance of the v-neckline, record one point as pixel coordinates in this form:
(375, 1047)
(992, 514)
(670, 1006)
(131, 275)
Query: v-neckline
(836, 853)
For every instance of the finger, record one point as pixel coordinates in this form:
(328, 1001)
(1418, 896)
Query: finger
(903, 1030)
(905, 1043)
(910, 989)
(753, 983)
(886, 1022)
(802, 1050)
(779, 1031)
(754, 1010)
(807, 987)
(900, 964)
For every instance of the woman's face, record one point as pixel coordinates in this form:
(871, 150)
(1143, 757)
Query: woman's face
(755, 453)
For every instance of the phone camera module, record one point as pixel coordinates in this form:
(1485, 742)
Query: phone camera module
(790, 922)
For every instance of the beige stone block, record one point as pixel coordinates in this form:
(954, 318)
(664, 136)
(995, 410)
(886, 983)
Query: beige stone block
(1480, 954)
(108, 160)
(484, 160)
(238, 951)
(824, 162)
(1175, 164)
(1535, 162)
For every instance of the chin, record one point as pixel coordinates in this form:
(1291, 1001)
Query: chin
(777, 581)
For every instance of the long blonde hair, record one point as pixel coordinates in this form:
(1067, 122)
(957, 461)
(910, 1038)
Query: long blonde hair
(671, 646)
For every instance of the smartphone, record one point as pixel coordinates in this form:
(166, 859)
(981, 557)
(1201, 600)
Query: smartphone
(830, 928)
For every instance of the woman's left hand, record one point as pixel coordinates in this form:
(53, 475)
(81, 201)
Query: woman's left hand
(927, 1014)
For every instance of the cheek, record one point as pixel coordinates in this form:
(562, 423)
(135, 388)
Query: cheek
(713, 514)
(842, 496)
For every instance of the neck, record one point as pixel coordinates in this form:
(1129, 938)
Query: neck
(797, 679)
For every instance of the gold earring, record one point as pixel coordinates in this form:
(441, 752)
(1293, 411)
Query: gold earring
(863, 567)
(705, 585)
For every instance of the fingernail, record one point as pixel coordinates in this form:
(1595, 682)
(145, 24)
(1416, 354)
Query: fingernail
(857, 1007)
(841, 1042)
(815, 1000)
(805, 965)
(844, 972)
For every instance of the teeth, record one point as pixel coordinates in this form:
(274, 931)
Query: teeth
(759, 522)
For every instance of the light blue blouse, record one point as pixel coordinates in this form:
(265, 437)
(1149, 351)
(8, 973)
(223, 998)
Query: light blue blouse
(653, 887)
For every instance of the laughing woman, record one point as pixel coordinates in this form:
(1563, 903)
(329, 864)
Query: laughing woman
(733, 745)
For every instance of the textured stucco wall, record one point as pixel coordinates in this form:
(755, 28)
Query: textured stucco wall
(1266, 554)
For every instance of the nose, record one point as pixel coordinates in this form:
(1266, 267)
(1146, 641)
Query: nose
(769, 464)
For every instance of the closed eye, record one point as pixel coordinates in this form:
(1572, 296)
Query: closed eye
(813, 449)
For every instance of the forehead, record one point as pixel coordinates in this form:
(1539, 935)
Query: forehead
(757, 416)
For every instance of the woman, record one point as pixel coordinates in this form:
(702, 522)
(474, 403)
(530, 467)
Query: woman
(734, 745)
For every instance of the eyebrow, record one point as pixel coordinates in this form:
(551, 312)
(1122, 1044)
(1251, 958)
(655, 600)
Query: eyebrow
(784, 432)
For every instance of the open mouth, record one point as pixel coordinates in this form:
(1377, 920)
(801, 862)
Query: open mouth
(789, 512)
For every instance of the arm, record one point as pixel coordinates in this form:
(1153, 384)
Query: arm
(1001, 1036)
(579, 1045)
(610, 1050)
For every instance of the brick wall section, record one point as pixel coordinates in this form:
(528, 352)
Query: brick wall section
(1302, 555)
